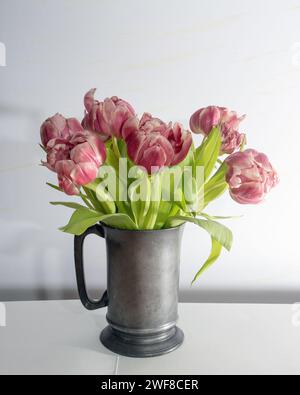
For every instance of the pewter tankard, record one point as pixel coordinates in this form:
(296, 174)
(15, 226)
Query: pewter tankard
(142, 289)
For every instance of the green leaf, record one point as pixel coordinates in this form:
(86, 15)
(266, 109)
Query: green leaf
(68, 204)
(166, 210)
(218, 231)
(174, 222)
(119, 221)
(140, 198)
(84, 218)
(214, 193)
(216, 186)
(207, 216)
(156, 191)
(81, 220)
(214, 255)
(207, 154)
(102, 197)
(54, 187)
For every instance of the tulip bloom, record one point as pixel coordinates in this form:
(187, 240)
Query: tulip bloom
(77, 160)
(57, 150)
(108, 117)
(250, 176)
(153, 144)
(205, 119)
(58, 127)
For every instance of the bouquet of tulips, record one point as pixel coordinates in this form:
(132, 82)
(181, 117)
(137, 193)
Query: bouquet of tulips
(144, 174)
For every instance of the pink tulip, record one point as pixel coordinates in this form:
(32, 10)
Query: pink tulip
(250, 176)
(153, 144)
(66, 183)
(58, 127)
(205, 119)
(57, 152)
(76, 161)
(108, 117)
(232, 140)
(181, 141)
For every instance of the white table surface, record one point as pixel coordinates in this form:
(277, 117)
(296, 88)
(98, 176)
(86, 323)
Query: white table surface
(62, 338)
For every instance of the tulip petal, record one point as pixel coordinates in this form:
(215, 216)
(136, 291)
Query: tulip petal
(89, 99)
(84, 173)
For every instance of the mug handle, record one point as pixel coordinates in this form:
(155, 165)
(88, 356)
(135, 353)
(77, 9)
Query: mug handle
(79, 266)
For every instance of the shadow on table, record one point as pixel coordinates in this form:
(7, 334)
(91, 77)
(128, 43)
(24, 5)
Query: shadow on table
(186, 296)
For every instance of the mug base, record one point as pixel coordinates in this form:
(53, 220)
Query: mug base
(141, 346)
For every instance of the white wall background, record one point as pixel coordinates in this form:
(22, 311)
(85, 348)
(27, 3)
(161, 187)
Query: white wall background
(167, 57)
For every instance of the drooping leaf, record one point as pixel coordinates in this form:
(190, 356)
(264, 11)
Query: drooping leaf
(81, 220)
(207, 216)
(68, 204)
(84, 218)
(218, 231)
(207, 154)
(214, 255)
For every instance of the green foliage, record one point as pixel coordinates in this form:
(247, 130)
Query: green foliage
(214, 255)
(208, 152)
(125, 210)
(218, 231)
(83, 218)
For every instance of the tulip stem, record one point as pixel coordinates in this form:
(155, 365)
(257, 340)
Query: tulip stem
(86, 201)
(116, 147)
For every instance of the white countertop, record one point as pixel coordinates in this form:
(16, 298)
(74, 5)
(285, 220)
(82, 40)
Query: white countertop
(61, 337)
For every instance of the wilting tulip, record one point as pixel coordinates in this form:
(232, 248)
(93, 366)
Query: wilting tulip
(58, 127)
(77, 161)
(153, 144)
(205, 119)
(108, 117)
(250, 176)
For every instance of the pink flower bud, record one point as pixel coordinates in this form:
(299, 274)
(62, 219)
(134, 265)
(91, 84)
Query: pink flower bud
(153, 144)
(205, 119)
(58, 127)
(250, 176)
(108, 117)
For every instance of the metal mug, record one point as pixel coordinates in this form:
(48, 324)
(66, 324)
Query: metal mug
(142, 289)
